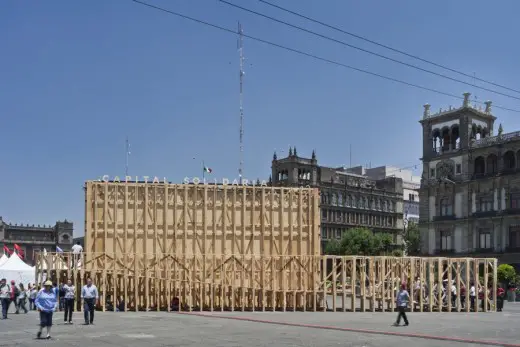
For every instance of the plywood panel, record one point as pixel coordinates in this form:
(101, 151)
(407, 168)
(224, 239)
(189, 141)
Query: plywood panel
(193, 219)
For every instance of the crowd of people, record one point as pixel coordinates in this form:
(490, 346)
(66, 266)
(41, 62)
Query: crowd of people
(47, 300)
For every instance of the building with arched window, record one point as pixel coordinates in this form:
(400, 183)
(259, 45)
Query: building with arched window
(348, 200)
(470, 186)
(34, 238)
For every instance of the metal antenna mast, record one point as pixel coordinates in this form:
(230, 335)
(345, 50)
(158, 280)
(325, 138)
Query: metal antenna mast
(242, 73)
(127, 154)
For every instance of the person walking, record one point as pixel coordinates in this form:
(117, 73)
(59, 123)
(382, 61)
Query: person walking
(402, 303)
(32, 296)
(21, 299)
(46, 302)
(5, 297)
(70, 294)
(14, 294)
(89, 295)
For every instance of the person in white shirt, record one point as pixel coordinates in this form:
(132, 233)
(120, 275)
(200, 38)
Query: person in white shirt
(77, 249)
(90, 296)
(70, 294)
(472, 295)
(453, 294)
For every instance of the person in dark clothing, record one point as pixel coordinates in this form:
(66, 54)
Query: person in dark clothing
(501, 294)
(68, 299)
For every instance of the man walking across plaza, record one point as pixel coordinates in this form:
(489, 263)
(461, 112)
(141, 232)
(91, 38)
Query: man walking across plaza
(90, 296)
(402, 303)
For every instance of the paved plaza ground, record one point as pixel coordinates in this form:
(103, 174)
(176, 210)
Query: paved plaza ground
(152, 329)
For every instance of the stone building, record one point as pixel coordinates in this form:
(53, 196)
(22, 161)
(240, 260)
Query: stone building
(470, 187)
(32, 238)
(411, 185)
(348, 200)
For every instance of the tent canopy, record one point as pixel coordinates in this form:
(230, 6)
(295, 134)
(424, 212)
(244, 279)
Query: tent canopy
(16, 270)
(16, 264)
(3, 259)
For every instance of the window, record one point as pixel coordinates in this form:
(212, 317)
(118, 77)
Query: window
(334, 201)
(446, 207)
(324, 214)
(445, 241)
(514, 200)
(514, 237)
(340, 199)
(458, 169)
(432, 173)
(484, 240)
(485, 204)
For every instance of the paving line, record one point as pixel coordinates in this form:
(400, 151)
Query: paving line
(364, 331)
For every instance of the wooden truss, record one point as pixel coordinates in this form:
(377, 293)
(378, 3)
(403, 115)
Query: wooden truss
(281, 283)
(154, 246)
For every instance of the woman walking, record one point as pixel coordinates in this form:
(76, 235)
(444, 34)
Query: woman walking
(46, 302)
(20, 299)
(70, 294)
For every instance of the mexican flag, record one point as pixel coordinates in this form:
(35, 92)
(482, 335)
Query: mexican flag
(207, 169)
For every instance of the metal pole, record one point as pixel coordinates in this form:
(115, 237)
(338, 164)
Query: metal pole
(127, 154)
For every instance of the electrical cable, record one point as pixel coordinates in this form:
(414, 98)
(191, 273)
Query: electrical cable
(367, 51)
(310, 55)
(385, 46)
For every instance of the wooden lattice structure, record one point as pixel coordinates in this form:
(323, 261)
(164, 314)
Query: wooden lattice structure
(214, 247)
(283, 283)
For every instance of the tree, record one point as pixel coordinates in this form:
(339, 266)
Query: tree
(506, 273)
(333, 247)
(500, 129)
(360, 241)
(412, 238)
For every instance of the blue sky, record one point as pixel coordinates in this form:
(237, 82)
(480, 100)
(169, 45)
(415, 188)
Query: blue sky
(79, 76)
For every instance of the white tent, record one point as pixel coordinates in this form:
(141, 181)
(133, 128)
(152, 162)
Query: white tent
(3, 259)
(15, 269)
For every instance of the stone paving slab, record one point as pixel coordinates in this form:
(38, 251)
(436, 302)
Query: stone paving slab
(172, 329)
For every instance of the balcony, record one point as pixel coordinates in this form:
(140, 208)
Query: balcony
(494, 140)
(482, 214)
(513, 249)
(484, 250)
(444, 252)
(444, 218)
(510, 211)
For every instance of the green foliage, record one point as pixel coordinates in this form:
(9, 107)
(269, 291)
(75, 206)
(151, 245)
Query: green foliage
(333, 247)
(506, 273)
(360, 241)
(397, 253)
(412, 238)
(500, 129)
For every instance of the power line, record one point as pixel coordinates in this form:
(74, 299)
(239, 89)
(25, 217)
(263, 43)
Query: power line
(367, 51)
(385, 46)
(310, 55)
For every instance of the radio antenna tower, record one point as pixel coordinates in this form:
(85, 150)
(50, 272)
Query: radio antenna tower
(127, 155)
(242, 73)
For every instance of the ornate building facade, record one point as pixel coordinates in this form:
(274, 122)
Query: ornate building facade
(348, 200)
(32, 238)
(470, 187)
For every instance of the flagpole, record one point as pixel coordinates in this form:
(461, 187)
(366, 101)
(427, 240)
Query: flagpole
(203, 171)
